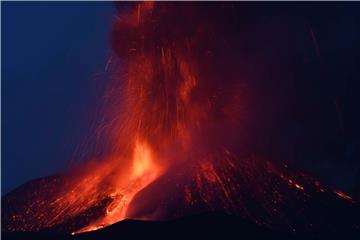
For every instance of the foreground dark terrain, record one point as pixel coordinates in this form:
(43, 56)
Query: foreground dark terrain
(204, 226)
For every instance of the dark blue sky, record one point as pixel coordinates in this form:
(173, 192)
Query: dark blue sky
(53, 58)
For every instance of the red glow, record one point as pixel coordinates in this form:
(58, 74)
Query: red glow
(343, 195)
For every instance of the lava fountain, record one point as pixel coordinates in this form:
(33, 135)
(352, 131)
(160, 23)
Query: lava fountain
(177, 135)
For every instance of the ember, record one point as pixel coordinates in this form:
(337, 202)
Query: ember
(343, 195)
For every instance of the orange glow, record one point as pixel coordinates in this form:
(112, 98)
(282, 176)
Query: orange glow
(144, 171)
(343, 195)
(142, 160)
(298, 186)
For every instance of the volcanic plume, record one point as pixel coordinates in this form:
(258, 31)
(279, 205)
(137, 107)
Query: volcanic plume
(176, 139)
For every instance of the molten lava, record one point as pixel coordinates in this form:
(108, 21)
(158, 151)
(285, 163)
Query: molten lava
(142, 172)
(174, 130)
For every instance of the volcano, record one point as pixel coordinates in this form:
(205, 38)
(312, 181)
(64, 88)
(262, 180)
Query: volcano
(299, 204)
(180, 140)
(299, 207)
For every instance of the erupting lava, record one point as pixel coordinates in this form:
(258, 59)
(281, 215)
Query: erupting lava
(143, 171)
(174, 136)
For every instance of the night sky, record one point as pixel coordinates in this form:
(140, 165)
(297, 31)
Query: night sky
(53, 59)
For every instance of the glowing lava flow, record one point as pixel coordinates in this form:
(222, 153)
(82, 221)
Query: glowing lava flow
(144, 171)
